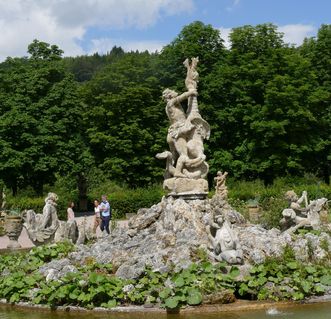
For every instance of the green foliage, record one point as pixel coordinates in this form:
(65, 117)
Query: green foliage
(22, 203)
(271, 198)
(95, 285)
(123, 199)
(54, 251)
(267, 104)
(21, 271)
(129, 201)
(39, 108)
(285, 278)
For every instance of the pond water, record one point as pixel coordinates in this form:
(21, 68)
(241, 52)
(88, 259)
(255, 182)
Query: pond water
(312, 311)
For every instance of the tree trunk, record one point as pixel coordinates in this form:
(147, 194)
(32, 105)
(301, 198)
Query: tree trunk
(82, 192)
(38, 187)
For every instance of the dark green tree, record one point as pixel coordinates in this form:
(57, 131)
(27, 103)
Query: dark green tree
(39, 121)
(258, 106)
(319, 52)
(126, 120)
(195, 40)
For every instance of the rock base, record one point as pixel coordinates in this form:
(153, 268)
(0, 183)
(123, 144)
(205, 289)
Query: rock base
(186, 188)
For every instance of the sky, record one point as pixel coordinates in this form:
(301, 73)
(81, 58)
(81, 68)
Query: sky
(87, 26)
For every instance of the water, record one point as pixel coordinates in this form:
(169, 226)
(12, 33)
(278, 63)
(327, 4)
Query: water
(314, 311)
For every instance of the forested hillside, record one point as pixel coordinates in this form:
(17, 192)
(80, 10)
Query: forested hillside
(268, 104)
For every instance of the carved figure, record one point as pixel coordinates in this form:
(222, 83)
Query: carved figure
(179, 128)
(225, 242)
(296, 216)
(220, 188)
(186, 133)
(46, 227)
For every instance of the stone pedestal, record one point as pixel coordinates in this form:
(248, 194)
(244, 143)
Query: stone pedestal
(186, 188)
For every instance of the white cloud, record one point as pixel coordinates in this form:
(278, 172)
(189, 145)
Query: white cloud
(104, 45)
(295, 33)
(225, 33)
(63, 22)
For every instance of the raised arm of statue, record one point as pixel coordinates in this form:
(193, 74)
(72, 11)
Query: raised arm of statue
(303, 198)
(192, 75)
(184, 96)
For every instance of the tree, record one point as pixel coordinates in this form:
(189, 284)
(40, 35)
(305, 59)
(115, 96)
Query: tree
(38, 124)
(195, 40)
(43, 51)
(257, 103)
(126, 120)
(319, 51)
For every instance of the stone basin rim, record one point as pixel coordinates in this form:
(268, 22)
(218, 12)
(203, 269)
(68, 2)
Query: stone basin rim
(240, 305)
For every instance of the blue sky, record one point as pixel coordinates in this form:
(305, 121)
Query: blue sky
(88, 26)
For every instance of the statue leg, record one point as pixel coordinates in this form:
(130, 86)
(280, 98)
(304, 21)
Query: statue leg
(181, 148)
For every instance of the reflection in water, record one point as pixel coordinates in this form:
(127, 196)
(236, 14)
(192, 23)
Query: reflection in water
(315, 311)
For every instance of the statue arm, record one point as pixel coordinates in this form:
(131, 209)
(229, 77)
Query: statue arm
(186, 95)
(303, 198)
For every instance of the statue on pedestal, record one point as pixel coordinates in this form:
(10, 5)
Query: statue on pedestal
(186, 168)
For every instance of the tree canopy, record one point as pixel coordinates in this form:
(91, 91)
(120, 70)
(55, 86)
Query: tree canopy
(268, 104)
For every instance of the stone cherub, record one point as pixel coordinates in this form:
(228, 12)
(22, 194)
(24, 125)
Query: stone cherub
(220, 188)
(225, 242)
(298, 216)
(46, 227)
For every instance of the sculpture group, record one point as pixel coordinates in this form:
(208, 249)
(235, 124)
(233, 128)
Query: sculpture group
(297, 216)
(186, 166)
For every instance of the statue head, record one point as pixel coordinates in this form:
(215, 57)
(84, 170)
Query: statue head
(291, 196)
(51, 197)
(219, 219)
(168, 94)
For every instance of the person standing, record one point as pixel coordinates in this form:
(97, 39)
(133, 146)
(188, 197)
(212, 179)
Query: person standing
(105, 212)
(97, 219)
(70, 211)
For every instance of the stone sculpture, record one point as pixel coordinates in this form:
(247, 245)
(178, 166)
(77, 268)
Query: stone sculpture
(225, 242)
(46, 227)
(220, 188)
(296, 216)
(186, 168)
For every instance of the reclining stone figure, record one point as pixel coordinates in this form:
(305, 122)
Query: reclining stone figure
(46, 227)
(296, 216)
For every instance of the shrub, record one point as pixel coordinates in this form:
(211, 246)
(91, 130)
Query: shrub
(130, 200)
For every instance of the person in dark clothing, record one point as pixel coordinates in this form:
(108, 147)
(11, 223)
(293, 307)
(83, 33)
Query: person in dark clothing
(105, 212)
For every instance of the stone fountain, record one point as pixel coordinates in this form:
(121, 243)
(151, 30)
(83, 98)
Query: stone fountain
(185, 224)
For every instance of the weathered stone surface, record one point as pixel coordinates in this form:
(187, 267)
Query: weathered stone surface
(257, 242)
(56, 269)
(168, 236)
(46, 227)
(183, 186)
